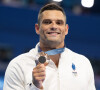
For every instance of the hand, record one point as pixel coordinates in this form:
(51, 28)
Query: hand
(39, 75)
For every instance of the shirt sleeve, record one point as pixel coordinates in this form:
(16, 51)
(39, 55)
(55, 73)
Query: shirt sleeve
(91, 82)
(31, 86)
(14, 79)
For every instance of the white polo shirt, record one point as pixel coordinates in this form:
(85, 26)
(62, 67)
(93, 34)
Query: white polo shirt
(74, 72)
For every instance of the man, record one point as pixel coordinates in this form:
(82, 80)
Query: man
(63, 69)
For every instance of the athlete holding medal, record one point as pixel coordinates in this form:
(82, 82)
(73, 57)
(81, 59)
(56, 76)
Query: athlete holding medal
(50, 65)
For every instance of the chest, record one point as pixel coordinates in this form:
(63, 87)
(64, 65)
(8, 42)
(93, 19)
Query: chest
(68, 76)
(55, 59)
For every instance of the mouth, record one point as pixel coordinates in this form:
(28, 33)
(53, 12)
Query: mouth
(53, 33)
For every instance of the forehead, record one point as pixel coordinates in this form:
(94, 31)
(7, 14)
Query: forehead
(53, 14)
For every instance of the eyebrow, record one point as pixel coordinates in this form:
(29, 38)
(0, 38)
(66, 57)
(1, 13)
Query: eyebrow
(54, 20)
(46, 19)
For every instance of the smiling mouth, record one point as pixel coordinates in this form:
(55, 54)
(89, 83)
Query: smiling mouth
(51, 33)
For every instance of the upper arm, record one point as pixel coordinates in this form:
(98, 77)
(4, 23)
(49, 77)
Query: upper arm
(13, 78)
(90, 75)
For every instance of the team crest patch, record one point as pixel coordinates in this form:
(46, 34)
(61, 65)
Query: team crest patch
(74, 72)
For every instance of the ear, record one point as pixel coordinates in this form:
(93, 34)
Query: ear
(66, 29)
(37, 29)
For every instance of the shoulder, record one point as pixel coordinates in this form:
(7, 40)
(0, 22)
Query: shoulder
(20, 65)
(76, 57)
(23, 59)
(82, 62)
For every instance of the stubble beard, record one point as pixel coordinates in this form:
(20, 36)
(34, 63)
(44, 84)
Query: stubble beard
(50, 43)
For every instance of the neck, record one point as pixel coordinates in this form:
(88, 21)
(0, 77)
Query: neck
(46, 47)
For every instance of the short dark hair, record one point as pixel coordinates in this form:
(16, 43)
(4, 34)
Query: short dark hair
(51, 6)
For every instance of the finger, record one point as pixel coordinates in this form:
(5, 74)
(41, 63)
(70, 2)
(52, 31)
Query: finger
(40, 78)
(40, 65)
(39, 74)
(46, 63)
(38, 70)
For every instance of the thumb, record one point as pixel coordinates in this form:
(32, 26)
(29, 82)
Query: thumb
(46, 63)
(41, 86)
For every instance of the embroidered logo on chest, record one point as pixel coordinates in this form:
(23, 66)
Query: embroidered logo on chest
(74, 72)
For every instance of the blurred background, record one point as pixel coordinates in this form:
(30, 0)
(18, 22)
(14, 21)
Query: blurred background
(17, 32)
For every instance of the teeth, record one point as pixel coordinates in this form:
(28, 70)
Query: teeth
(53, 32)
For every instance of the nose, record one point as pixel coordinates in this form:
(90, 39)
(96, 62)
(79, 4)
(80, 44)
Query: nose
(53, 26)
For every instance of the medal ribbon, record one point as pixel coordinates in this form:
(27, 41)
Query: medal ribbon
(53, 52)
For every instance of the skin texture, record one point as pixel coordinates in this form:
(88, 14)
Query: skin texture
(52, 31)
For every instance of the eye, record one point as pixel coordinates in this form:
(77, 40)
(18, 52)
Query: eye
(47, 21)
(60, 22)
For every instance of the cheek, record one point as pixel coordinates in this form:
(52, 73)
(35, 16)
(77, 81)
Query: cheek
(41, 32)
(44, 29)
(63, 31)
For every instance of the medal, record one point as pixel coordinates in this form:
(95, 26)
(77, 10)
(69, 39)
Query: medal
(42, 59)
(44, 56)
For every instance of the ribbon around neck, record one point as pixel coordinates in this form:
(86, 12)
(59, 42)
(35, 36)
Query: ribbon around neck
(53, 52)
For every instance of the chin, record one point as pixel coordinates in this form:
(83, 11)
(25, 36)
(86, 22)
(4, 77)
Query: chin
(53, 41)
